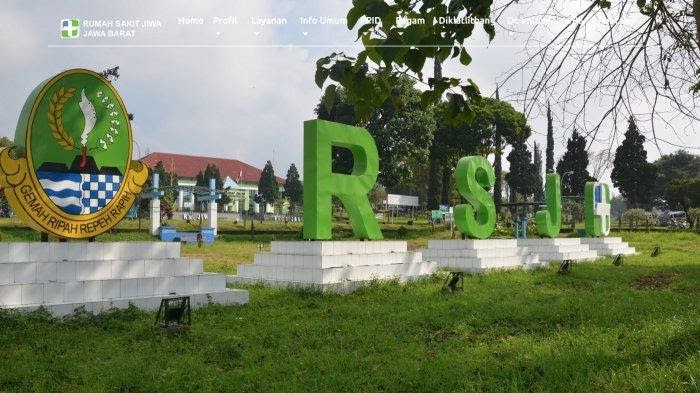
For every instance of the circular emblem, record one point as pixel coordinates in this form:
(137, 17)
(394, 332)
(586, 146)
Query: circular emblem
(71, 172)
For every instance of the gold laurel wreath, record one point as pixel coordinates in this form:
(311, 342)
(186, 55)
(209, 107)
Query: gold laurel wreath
(55, 114)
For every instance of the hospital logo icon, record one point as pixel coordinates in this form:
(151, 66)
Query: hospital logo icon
(70, 28)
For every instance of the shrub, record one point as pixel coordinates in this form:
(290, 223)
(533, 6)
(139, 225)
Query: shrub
(573, 211)
(694, 217)
(403, 231)
(634, 216)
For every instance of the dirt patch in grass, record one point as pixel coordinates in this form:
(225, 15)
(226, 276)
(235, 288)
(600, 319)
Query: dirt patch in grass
(654, 282)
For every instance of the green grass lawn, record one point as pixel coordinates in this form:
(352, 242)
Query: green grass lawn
(599, 328)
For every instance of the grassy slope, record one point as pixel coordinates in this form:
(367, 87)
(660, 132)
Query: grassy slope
(636, 327)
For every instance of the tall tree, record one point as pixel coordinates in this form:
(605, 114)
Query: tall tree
(403, 137)
(434, 180)
(397, 50)
(677, 165)
(538, 184)
(573, 166)
(453, 142)
(521, 174)
(632, 174)
(549, 168)
(293, 190)
(268, 188)
(617, 206)
(642, 51)
(683, 194)
(167, 180)
(498, 164)
(212, 172)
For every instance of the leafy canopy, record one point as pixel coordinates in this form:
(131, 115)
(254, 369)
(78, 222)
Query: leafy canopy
(573, 166)
(521, 175)
(293, 189)
(677, 165)
(268, 188)
(391, 50)
(212, 172)
(403, 138)
(632, 174)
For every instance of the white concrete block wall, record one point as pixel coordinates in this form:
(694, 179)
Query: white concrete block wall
(145, 286)
(111, 289)
(84, 270)
(336, 247)
(331, 262)
(608, 246)
(597, 240)
(4, 252)
(129, 288)
(475, 256)
(32, 293)
(7, 273)
(39, 252)
(25, 272)
(92, 290)
(103, 270)
(18, 252)
(77, 251)
(10, 295)
(53, 293)
(73, 291)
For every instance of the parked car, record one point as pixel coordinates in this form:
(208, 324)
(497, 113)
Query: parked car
(673, 218)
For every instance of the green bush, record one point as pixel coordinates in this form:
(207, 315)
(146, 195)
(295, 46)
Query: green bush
(633, 217)
(694, 217)
(402, 232)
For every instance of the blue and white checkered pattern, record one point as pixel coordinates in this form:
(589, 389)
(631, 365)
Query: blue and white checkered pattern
(98, 191)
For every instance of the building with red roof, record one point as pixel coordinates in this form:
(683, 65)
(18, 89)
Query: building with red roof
(240, 178)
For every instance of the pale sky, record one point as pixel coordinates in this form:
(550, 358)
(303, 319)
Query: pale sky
(227, 90)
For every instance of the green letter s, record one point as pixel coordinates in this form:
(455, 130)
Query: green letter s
(473, 176)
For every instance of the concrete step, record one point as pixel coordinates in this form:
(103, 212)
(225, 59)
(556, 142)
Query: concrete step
(558, 241)
(472, 244)
(558, 248)
(589, 255)
(335, 260)
(599, 240)
(338, 287)
(609, 246)
(473, 253)
(331, 247)
(536, 265)
(148, 303)
(317, 275)
(39, 272)
(469, 264)
(101, 290)
(615, 251)
(86, 251)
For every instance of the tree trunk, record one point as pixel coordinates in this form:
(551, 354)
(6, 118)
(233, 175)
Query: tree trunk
(434, 184)
(437, 66)
(497, 167)
(446, 183)
(696, 14)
